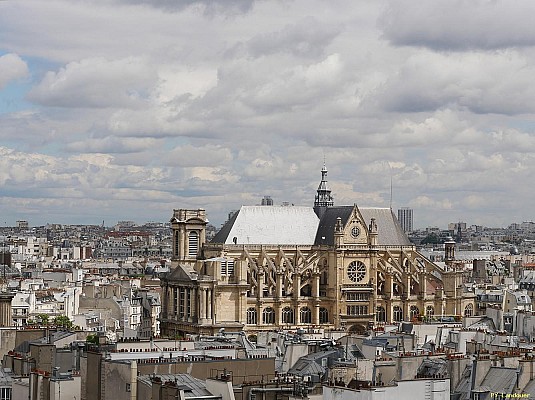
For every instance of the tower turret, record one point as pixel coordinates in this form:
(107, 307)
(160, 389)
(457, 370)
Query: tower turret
(323, 198)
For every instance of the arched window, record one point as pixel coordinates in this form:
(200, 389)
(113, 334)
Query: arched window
(469, 310)
(398, 314)
(381, 314)
(305, 315)
(429, 311)
(287, 315)
(176, 244)
(414, 312)
(324, 315)
(268, 316)
(251, 316)
(193, 244)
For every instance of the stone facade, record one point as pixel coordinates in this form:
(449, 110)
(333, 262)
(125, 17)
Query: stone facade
(357, 273)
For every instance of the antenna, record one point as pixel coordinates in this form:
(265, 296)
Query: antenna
(390, 186)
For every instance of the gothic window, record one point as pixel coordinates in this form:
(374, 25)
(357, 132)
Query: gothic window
(357, 310)
(182, 305)
(251, 316)
(305, 315)
(468, 310)
(356, 271)
(381, 314)
(357, 296)
(193, 244)
(306, 291)
(324, 315)
(287, 315)
(429, 311)
(398, 314)
(268, 316)
(324, 277)
(414, 312)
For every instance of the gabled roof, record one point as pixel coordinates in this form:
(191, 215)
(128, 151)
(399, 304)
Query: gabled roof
(294, 225)
(183, 273)
(325, 233)
(388, 227)
(270, 225)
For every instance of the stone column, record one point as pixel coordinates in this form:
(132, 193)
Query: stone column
(316, 292)
(209, 303)
(260, 283)
(297, 286)
(316, 315)
(280, 279)
(202, 303)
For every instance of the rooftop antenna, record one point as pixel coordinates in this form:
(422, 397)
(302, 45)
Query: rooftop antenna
(390, 186)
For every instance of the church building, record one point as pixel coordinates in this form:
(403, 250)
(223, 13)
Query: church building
(289, 267)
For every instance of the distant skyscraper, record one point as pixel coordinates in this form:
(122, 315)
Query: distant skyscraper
(267, 201)
(405, 218)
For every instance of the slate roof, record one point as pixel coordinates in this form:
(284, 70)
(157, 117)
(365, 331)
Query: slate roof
(325, 233)
(388, 227)
(499, 380)
(191, 386)
(293, 225)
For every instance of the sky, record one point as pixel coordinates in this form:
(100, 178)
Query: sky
(127, 109)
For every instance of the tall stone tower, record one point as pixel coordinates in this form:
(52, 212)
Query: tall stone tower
(323, 198)
(189, 234)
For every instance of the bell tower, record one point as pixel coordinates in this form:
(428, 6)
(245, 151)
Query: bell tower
(189, 234)
(323, 198)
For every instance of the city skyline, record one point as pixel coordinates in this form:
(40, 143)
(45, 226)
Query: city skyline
(128, 109)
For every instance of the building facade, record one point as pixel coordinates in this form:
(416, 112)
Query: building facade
(333, 267)
(405, 219)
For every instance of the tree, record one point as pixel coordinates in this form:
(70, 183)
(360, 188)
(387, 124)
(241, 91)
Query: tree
(92, 338)
(43, 318)
(63, 321)
(432, 238)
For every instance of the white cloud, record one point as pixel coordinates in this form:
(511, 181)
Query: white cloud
(96, 83)
(13, 68)
(137, 107)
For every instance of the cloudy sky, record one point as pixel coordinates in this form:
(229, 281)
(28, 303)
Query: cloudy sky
(125, 109)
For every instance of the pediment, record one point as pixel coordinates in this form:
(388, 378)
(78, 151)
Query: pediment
(183, 273)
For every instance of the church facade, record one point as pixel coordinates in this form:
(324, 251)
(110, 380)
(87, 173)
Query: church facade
(327, 266)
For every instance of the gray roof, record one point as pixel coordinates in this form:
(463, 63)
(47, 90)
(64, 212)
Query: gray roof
(270, 225)
(499, 380)
(300, 225)
(388, 227)
(325, 233)
(192, 387)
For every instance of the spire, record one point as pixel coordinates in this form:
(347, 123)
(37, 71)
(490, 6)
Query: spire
(323, 198)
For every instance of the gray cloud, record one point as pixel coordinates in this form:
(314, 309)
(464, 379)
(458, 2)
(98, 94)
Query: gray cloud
(459, 25)
(136, 108)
